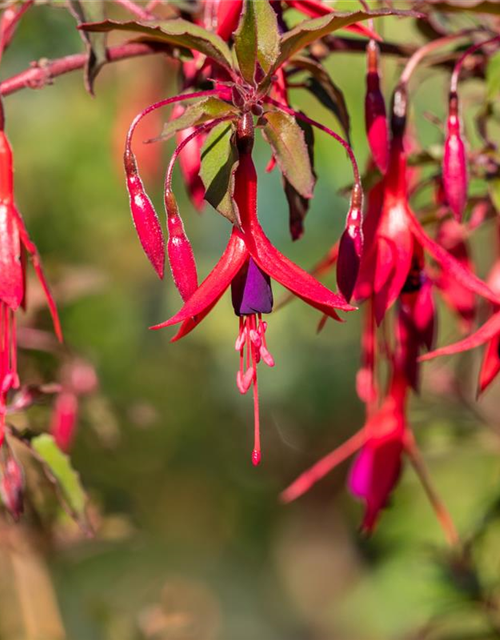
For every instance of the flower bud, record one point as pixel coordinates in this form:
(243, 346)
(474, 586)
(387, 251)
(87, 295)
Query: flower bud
(375, 112)
(64, 418)
(455, 177)
(351, 245)
(145, 219)
(179, 250)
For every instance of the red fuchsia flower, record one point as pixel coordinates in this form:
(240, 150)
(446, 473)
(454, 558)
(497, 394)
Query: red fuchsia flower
(377, 129)
(351, 245)
(14, 241)
(376, 469)
(395, 231)
(248, 264)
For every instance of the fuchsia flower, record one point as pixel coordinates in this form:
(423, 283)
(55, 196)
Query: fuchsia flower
(14, 241)
(393, 232)
(248, 264)
(376, 469)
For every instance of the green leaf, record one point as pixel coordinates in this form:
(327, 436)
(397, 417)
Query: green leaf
(96, 42)
(257, 38)
(308, 31)
(59, 469)
(326, 91)
(198, 113)
(494, 189)
(178, 32)
(219, 161)
(298, 206)
(493, 77)
(245, 42)
(286, 138)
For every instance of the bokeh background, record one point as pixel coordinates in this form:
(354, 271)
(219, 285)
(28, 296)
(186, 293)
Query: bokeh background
(191, 541)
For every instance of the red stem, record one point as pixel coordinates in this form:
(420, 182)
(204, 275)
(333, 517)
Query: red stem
(318, 125)
(461, 60)
(42, 73)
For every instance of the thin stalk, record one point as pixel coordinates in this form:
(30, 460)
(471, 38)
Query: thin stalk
(437, 504)
(203, 128)
(456, 71)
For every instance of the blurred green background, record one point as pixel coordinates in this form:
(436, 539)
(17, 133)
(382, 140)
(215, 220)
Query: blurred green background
(192, 542)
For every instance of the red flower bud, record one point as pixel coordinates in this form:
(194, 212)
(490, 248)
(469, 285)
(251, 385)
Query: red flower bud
(351, 246)
(375, 112)
(179, 250)
(455, 177)
(145, 219)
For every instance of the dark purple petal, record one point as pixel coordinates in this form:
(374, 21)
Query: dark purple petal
(251, 291)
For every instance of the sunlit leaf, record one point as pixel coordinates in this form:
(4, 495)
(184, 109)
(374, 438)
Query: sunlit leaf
(60, 470)
(308, 31)
(219, 161)
(257, 38)
(286, 138)
(178, 32)
(198, 113)
(493, 76)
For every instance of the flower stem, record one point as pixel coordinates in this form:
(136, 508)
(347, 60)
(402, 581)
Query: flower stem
(456, 71)
(438, 505)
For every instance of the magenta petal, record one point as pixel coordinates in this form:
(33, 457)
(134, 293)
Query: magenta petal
(214, 285)
(490, 367)
(361, 470)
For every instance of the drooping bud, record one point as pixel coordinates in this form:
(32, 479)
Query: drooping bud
(145, 218)
(179, 250)
(11, 482)
(351, 245)
(251, 291)
(455, 178)
(375, 113)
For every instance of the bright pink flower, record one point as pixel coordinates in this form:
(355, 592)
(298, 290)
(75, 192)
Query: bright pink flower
(247, 264)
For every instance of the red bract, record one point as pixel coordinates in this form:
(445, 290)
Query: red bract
(455, 178)
(247, 263)
(377, 128)
(14, 239)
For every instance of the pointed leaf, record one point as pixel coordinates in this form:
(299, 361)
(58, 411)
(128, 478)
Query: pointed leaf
(219, 160)
(178, 32)
(59, 466)
(257, 38)
(198, 113)
(245, 42)
(326, 91)
(96, 42)
(286, 138)
(493, 77)
(308, 31)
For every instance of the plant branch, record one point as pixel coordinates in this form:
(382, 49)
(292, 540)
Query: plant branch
(44, 71)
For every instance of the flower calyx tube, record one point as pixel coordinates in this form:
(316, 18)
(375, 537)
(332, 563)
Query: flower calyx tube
(375, 111)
